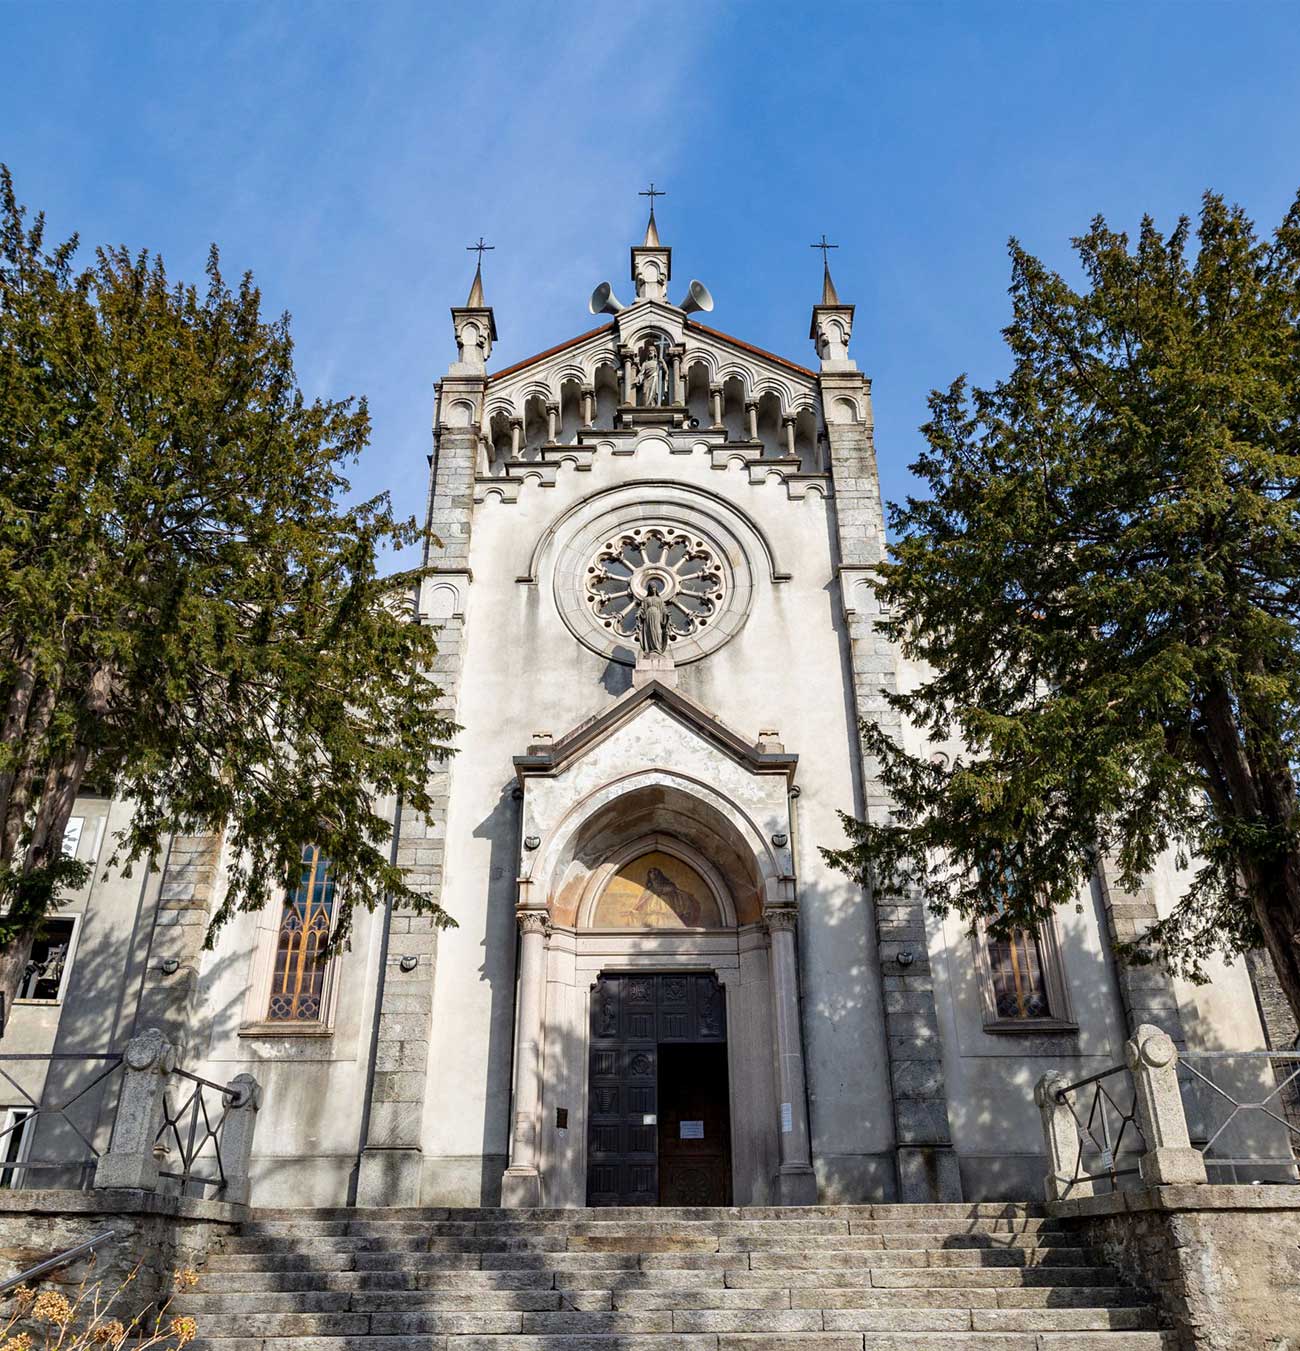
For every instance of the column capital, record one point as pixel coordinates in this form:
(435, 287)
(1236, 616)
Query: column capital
(781, 918)
(534, 922)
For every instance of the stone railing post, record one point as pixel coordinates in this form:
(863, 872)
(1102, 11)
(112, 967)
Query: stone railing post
(1169, 1158)
(237, 1137)
(130, 1161)
(1061, 1134)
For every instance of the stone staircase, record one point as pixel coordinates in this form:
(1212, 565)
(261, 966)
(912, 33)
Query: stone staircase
(997, 1277)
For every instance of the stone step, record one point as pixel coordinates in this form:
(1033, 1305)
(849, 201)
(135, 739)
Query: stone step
(745, 1241)
(947, 1213)
(847, 1222)
(891, 1341)
(929, 1278)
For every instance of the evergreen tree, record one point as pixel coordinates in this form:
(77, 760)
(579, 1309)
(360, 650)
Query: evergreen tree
(190, 614)
(1103, 580)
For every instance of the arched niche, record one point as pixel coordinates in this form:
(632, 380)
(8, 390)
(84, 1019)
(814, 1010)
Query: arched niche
(620, 825)
(656, 882)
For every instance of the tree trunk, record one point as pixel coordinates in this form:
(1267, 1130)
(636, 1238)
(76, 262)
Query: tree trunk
(14, 957)
(1257, 788)
(1275, 897)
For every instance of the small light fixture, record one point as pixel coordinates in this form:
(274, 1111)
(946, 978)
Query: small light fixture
(532, 841)
(171, 966)
(780, 839)
(409, 962)
(906, 957)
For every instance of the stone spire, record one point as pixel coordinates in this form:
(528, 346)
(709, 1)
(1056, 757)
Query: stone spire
(474, 323)
(476, 301)
(652, 263)
(832, 321)
(651, 240)
(829, 294)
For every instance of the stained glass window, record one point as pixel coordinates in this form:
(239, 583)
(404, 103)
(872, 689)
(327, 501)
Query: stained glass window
(298, 982)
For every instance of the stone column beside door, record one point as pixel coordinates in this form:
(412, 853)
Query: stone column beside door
(522, 1183)
(796, 1181)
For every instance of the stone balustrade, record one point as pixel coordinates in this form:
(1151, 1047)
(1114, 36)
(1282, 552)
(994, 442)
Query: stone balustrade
(162, 1116)
(1157, 1116)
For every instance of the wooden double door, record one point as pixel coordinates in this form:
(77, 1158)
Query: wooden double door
(658, 1111)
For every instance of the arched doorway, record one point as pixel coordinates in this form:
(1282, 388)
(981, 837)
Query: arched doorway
(655, 894)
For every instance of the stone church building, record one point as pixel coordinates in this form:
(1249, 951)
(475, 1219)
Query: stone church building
(657, 630)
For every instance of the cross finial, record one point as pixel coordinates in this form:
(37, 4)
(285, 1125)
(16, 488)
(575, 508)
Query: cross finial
(824, 246)
(652, 192)
(480, 248)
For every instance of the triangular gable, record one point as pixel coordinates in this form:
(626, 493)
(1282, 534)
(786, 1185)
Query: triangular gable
(573, 745)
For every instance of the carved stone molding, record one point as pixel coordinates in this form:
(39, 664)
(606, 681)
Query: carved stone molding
(534, 922)
(781, 919)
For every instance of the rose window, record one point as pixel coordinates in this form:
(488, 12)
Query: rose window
(676, 565)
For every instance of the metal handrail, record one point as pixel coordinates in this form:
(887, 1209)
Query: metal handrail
(202, 1130)
(54, 1263)
(35, 1110)
(1108, 1144)
(1212, 1091)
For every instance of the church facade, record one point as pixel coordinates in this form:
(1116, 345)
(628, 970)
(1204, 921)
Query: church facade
(653, 588)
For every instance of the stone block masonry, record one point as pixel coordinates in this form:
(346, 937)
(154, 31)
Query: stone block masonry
(391, 1161)
(1224, 1262)
(927, 1163)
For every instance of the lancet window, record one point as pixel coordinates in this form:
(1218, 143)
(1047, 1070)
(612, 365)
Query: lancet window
(301, 965)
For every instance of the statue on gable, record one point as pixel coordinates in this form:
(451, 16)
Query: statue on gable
(652, 625)
(652, 375)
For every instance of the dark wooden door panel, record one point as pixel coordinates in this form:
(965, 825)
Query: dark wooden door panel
(635, 1020)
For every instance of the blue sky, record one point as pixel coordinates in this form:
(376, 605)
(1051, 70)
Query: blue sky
(348, 152)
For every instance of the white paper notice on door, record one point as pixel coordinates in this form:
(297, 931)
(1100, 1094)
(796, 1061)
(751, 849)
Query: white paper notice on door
(692, 1130)
(787, 1118)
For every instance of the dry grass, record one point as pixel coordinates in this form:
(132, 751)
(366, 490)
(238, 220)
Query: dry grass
(49, 1320)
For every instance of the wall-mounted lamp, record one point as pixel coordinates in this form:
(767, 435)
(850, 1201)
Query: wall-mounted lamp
(780, 839)
(408, 963)
(532, 841)
(906, 957)
(170, 967)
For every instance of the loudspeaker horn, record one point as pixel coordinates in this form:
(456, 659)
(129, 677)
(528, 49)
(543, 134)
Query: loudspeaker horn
(698, 297)
(604, 301)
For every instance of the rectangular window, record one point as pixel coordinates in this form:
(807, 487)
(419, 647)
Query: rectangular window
(1022, 979)
(1019, 980)
(72, 835)
(46, 976)
(299, 973)
(15, 1125)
